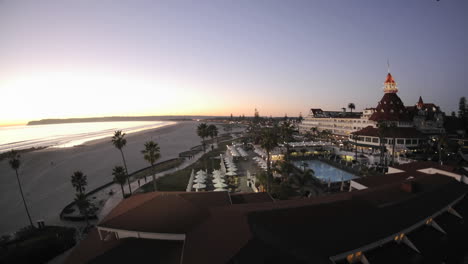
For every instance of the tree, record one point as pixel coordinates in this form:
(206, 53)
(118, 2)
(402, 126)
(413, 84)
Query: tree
(15, 162)
(462, 108)
(212, 132)
(120, 177)
(284, 168)
(151, 154)
(304, 165)
(344, 109)
(441, 145)
(301, 180)
(393, 129)
(382, 131)
(256, 118)
(202, 132)
(300, 118)
(355, 138)
(286, 131)
(119, 142)
(269, 141)
(83, 205)
(351, 107)
(79, 181)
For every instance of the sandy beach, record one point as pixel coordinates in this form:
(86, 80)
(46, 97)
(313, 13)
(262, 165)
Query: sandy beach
(45, 174)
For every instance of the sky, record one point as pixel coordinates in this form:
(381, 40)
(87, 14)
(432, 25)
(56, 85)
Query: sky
(87, 58)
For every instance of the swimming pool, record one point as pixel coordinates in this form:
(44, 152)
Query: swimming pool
(325, 172)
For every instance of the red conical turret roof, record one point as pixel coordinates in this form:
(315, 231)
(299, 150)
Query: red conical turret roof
(389, 79)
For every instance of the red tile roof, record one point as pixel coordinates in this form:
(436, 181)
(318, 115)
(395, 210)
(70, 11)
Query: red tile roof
(397, 132)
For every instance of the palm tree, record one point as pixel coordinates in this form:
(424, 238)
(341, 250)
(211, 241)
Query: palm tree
(151, 154)
(213, 132)
(119, 142)
(441, 144)
(304, 165)
(120, 177)
(269, 141)
(382, 131)
(286, 131)
(83, 205)
(351, 107)
(392, 127)
(355, 138)
(79, 181)
(202, 131)
(14, 161)
(301, 180)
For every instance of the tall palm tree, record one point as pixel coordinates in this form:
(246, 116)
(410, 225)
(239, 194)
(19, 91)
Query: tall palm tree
(351, 106)
(441, 144)
(213, 132)
(355, 138)
(120, 177)
(119, 142)
(382, 132)
(286, 131)
(392, 128)
(202, 131)
(14, 161)
(79, 181)
(83, 205)
(269, 141)
(151, 154)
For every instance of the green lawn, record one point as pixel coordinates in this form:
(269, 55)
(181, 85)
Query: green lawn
(178, 180)
(162, 166)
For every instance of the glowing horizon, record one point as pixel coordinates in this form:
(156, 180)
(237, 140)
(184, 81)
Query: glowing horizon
(119, 58)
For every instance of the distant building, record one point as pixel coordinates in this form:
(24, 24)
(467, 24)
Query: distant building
(413, 123)
(338, 123)
(401, 127)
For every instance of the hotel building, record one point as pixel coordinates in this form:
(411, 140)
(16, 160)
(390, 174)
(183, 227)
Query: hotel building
(407, 125)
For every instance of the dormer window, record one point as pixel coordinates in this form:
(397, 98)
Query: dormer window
(381, 110)
(391, 111)
(385, 102)
(401, 111)
(391, 102)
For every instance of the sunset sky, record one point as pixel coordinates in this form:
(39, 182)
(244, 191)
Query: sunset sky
(98, 58)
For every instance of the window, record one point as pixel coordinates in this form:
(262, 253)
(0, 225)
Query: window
(415, 141)
(375, 140)
(368, 139)
(400, 141)
(408, 142)
(384, 141)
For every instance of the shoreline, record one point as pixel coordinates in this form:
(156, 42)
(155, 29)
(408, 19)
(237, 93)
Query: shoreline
(91, 140)
(45, 174)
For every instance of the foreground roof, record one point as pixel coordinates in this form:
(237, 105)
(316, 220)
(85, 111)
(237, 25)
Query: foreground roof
(297, 231)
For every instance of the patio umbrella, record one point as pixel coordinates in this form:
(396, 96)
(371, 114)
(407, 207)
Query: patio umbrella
(216, 180)
(232, 169)
(201, 180)
(199, 186)
(231, 173)
(220, 190)
(220, 185)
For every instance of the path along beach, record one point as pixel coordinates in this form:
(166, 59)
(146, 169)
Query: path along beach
(45, 174)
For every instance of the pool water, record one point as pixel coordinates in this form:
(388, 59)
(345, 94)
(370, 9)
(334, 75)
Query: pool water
(325, 172)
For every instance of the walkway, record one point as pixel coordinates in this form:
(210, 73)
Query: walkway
(117, 197)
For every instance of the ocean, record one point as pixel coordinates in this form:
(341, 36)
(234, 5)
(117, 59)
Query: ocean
(67, 135)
